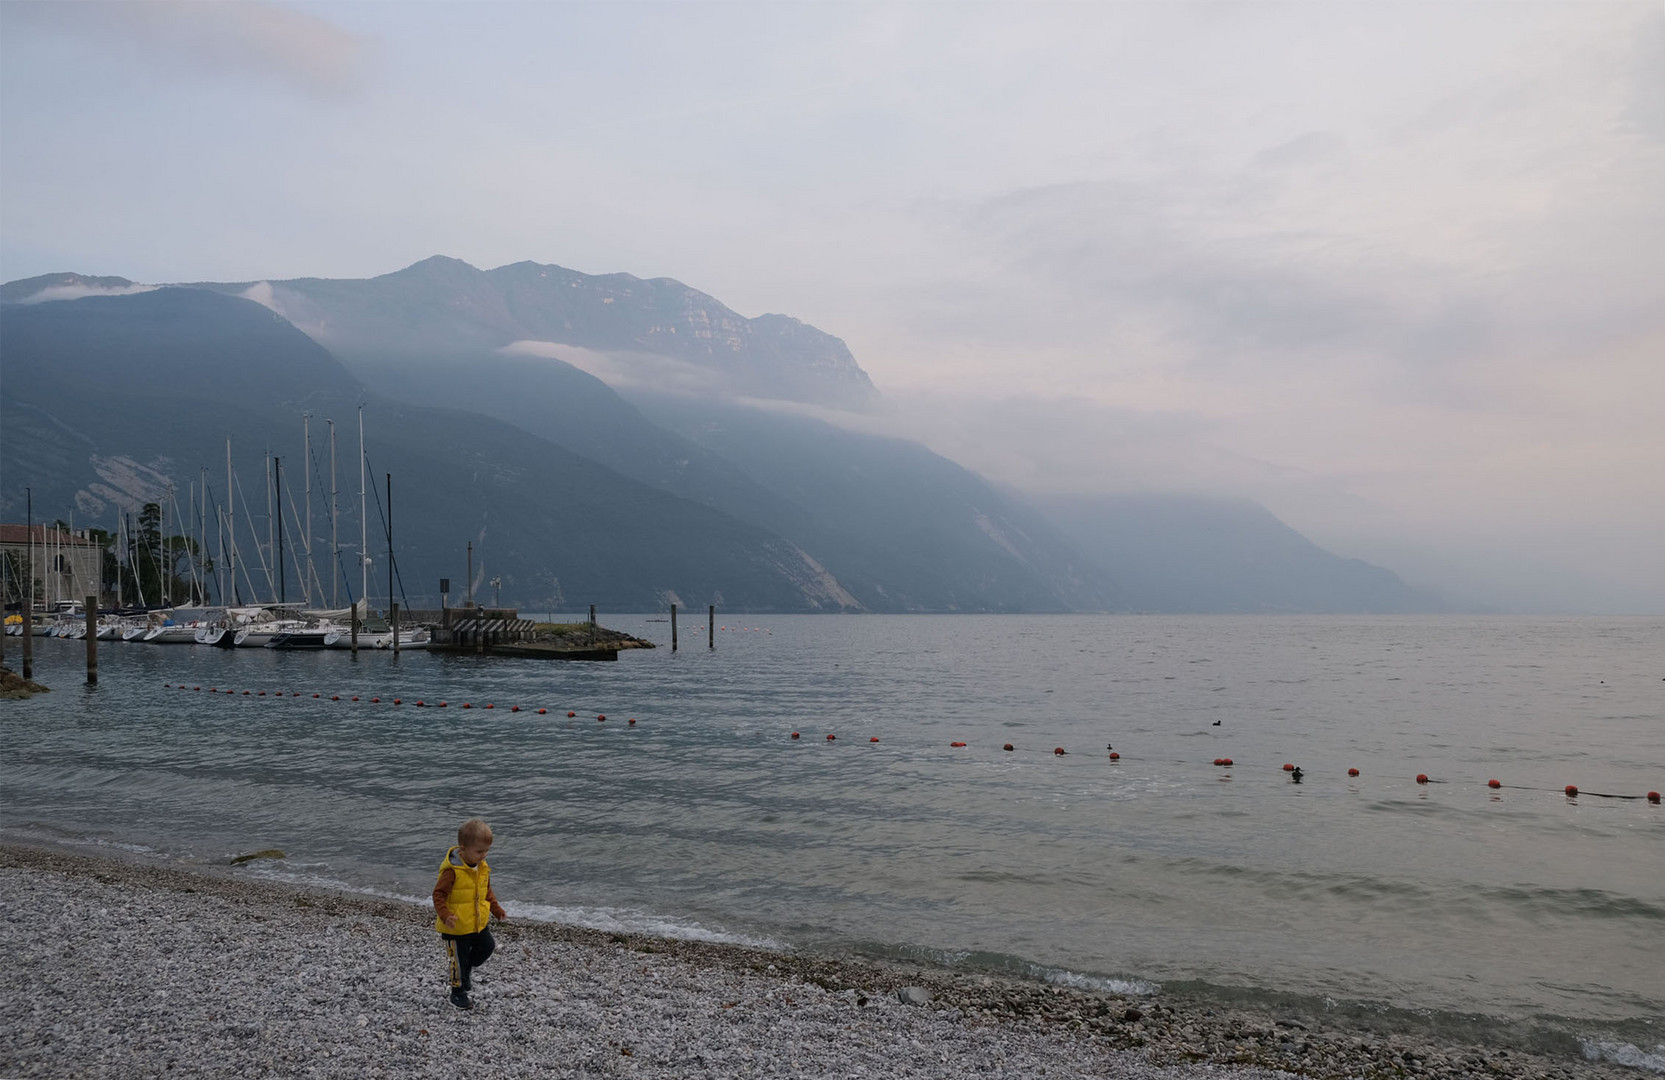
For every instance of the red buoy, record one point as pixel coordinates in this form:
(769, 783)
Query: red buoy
(830, 738)
(1114, 756)
(600, 717)
(1572, 791)
(490, 706)
(1287, 767)
(1008, 746)
(375, 701)
(314, 695)
(514, 708)
(1653, 797)
(245, 693)
(570, 713)
(1422, 778)
(261, 694)
(442, 704)
(631, 721)
(956, 744)
(355, 699)
(1352, 772)
(335, 697)
(542, 711)
(794, 734)
(1227, 761)
(1058, 750)
(1494, 783)
(421, 704)
(875, 738)
(196, 688)
(397, 701)
(1219, 761)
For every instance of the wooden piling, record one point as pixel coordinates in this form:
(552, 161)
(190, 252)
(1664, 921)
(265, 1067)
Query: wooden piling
(711, 627)
(92, 640)
(673, 628)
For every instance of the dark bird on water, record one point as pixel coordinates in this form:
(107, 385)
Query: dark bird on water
(1295, 776)
(1216, 723)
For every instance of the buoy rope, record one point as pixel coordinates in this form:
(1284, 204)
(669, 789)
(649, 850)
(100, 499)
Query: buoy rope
(1571, 791)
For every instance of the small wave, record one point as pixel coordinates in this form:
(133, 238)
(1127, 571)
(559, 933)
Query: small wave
(1623, 1053)
(609, 920)
(621, 921)
(1099, 984)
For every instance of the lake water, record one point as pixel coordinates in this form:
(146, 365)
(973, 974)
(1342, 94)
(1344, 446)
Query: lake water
(1518, 907)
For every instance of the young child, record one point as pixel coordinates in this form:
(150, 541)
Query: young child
(464, 903)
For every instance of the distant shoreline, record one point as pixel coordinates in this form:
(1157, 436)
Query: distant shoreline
(125, 966)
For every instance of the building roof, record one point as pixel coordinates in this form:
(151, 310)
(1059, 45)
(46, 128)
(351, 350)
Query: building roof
(42, 534)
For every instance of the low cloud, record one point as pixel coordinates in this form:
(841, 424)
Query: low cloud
(625, 370)
(80, 289)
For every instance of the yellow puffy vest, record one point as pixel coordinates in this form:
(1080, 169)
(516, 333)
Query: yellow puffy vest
(468, 896)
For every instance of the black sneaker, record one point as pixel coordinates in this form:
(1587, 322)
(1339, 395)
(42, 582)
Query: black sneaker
(459, 998)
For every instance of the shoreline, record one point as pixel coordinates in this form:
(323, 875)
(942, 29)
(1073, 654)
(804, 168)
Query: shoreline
(132, 967)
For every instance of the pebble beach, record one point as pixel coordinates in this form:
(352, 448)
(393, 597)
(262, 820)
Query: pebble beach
(117, 967)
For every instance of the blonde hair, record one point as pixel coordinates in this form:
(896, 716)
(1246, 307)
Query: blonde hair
(473, 831)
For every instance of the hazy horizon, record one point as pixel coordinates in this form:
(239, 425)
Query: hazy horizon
(1395, 272)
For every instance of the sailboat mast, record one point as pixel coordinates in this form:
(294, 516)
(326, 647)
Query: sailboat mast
(389, 541)
(271, 545)
(277, 552)
(363, 520)
(335, 517)
(230, 521)
(306, 467)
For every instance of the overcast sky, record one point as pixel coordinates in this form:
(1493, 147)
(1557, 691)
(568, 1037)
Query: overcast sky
(1395, 270)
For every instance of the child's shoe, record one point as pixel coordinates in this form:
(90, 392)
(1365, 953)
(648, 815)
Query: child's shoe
(459, 998)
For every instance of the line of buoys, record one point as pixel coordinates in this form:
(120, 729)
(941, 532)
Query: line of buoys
(1571, 790)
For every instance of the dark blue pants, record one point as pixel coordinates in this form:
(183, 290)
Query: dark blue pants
(467, 952)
